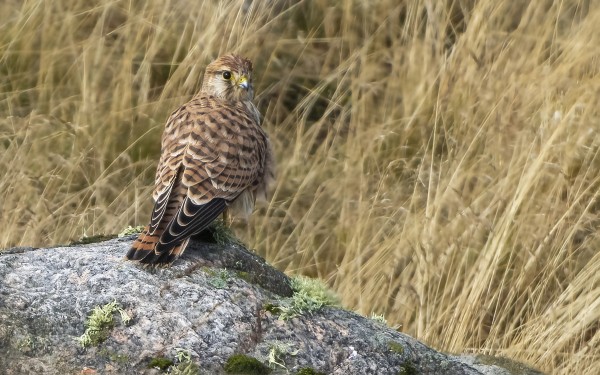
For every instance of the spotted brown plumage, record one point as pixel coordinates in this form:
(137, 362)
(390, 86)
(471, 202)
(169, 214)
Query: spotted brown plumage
(215, 157)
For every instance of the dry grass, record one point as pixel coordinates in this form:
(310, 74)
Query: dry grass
(438, 160)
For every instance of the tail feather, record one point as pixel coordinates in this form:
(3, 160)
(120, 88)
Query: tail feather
(164, 257)
(143, 249)
(164, 241)
(144, 244)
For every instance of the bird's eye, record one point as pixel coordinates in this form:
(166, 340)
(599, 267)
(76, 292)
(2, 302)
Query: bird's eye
(226, 74)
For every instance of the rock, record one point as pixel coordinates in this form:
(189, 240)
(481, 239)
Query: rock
(195, 317)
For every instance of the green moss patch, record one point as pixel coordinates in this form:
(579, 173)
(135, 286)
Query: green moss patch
(309, 371)
(160, 363)
(243, 364)
(407, 369)
(272, 308)
(396, 347)
(244, 276)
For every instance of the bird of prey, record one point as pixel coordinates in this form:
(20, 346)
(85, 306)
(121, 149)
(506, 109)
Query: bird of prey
(215, 158)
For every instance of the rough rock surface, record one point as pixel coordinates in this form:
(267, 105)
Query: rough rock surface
(210, 305)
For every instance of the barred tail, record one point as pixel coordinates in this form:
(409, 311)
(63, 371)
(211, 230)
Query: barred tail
(143, 245)
(144, 249)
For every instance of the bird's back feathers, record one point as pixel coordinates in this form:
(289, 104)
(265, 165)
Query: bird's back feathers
(213, 152)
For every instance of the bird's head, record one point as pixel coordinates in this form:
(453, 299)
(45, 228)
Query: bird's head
(229, 77)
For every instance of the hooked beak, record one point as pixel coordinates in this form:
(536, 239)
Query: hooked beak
(243, 82)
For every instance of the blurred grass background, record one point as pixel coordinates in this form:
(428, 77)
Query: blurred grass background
(438, 161)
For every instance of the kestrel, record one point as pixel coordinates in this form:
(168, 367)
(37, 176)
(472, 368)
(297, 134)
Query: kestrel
(215, 158)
